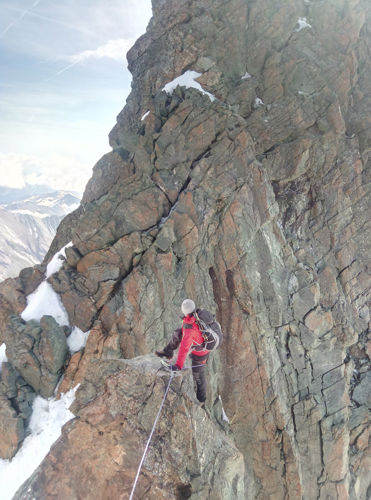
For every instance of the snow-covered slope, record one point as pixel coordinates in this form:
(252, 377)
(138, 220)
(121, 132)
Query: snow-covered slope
(28, 226)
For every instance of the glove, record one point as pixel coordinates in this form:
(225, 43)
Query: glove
(174, 368)
(163, 354)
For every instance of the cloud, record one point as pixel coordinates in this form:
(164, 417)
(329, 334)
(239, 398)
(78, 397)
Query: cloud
(21, 16)
(58, 172)
(12, 170)
(113, 49)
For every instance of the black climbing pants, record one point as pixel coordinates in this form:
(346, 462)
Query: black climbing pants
(199, 376)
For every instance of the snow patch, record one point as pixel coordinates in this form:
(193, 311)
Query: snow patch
(302, 22)
(3, 357)
(224, 415)
(29, 212)
(188, 80)
(47, 420)
(56, 263)
(246, 76)
(77, 339)
(44, 300)
(69, 208)
(145, 116)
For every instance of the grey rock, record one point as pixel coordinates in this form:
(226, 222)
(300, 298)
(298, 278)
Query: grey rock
(37, 351)
(16, 399)
(362, 392)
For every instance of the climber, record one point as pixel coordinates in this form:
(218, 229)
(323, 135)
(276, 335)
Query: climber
(189, 337)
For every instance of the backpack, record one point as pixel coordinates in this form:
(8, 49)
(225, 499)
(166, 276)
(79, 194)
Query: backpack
(210, 329)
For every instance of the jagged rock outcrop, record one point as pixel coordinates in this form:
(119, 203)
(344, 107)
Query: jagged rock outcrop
(13, 293)
(16, 398)
(255, 204)
(100, 451)
(36, 352)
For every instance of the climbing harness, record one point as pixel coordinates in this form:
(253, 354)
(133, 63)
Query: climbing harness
(150, 436)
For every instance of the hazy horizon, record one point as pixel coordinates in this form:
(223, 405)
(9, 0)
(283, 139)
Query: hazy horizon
(65, 82)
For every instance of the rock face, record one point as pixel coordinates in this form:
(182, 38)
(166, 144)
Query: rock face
(255, 205)
(16, 398)
(37, 351)
(116, 409)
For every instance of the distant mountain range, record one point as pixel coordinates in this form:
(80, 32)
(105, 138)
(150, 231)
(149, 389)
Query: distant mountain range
(29, 218)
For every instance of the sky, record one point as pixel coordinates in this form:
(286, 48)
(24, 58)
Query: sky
(63, 81)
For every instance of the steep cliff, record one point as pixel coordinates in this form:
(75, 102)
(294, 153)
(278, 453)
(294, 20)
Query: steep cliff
(249, 194)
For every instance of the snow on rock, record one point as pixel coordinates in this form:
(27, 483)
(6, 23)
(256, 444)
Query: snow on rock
(29, 212)
(77, 339)
(3, 357)
(246, 76)
(225, 418)
(258, 102)
(47, 420)
(44, 300)
(302, 22)
(188, 80)
(145, 116)
(56, 263)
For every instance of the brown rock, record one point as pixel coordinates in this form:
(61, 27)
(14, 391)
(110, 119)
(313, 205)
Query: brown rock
(11, 429)
(255, 205)
(12, 301)
(320, 322)
(101, 450)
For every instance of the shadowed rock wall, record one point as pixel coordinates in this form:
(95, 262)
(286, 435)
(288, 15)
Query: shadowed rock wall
(255, 205)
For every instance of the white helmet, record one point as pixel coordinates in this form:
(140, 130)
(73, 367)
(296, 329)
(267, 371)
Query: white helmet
(188, 306)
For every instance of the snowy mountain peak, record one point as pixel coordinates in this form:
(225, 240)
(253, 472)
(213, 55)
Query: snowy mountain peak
(29, 219)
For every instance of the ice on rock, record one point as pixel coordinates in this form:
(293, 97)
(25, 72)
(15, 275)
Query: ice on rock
(45, 301)
(302, 22)
(56, 263)
(77, 340)
(145, 116)
(188, 80)
(47, 419)
(224, 415)
(3, 357)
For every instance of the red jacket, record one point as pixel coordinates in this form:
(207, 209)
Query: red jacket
(191, 337)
